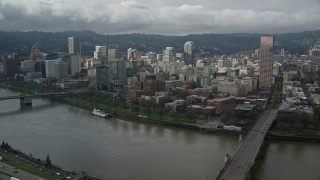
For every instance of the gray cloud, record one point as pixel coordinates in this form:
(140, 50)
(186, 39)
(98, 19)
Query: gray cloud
(160, 16)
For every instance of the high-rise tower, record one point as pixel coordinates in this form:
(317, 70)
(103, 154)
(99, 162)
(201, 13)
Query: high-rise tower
(266, 62)
(35, 54)
(169, 54)
(188, 50)
(101, 54)
(113, 54)
(74, 45)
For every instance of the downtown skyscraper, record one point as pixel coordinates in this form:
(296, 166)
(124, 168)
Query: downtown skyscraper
(74, 46)
(188, 53)
(266, 62)
(101, 54)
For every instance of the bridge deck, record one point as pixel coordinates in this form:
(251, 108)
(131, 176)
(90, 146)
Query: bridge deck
(35, 95)
(240, 165)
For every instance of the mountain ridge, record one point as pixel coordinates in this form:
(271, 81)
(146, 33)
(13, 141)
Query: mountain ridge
(212, 44)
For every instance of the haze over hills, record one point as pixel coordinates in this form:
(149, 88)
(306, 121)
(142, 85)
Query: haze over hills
(208, 44)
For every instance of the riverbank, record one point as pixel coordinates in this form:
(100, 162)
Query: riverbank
(21, 161)
(145, 115)
(300, 138)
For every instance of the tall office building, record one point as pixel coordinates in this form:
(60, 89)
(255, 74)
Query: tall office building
(35, 54)
(101, 54)
(50, 67)
(169, 54)
(188, 50)
(75, 64)
(117, 72)
(282, 52)
(10, 67)
(113, 54)
(266, 62)
(133, 54)
(74, 45)
(56, 68)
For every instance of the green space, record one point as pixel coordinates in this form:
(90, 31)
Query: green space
(297, 132)
(123, 111)
(26, 167)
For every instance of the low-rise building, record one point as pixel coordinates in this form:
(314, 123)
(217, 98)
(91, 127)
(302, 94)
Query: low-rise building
(233, 89)
(222, 104)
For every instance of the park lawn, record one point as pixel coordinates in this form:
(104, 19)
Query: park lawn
(128, 111)
(311, 132)
(26, 167)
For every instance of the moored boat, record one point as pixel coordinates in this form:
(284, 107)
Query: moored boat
(101, 113)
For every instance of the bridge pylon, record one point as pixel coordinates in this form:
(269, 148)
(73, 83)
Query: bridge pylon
(25, 101)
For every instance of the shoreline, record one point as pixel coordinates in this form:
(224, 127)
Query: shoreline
(128, 117)
(278, 137)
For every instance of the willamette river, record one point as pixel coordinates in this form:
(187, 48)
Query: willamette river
(119, 149)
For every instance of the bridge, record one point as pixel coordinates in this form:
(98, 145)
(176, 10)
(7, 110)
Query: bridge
(238, 167)
(26, 99)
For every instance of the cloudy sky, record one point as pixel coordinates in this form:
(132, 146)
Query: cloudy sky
(178, 17)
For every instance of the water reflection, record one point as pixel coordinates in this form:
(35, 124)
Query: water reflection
(118, 149)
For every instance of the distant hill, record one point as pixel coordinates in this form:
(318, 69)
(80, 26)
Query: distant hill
(21, 42)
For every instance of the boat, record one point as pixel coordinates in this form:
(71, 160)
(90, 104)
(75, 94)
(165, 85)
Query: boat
(101, 113)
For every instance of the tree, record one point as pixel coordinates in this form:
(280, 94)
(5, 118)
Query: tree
(48, 161)
(276, 98)
(135, 108)
(305, 119)
(147, 108)
(228, 113)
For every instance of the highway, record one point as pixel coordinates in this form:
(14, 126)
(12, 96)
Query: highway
(7, 171)
(239, 166)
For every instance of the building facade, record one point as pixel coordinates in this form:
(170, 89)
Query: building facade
(35, 54)
(75, 61)
(188, 50)
(101, 54)
(266, 62)
(117, 72)
(114, 54)
(74, 45)
(169, 54)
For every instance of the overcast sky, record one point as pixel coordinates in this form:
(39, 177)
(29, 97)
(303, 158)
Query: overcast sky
(171, 17)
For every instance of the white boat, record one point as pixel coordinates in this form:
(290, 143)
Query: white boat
(101, 113)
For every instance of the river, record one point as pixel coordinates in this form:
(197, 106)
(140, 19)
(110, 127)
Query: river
(119, 149)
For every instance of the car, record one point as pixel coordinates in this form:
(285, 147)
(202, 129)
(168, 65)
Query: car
(1, 167)
(58, 174)
(15, 171)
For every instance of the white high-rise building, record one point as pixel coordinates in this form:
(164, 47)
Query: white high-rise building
(101, 54)
(169, 54)
(74, 45)
(50, 67)
(56, 68)
(282, 52)
(188, 50)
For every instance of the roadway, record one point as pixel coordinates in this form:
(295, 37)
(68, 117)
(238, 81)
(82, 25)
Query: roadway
(36, 95)
(7, 171)
(239, 166)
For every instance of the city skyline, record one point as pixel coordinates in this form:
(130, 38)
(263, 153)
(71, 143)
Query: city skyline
(160, 17)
